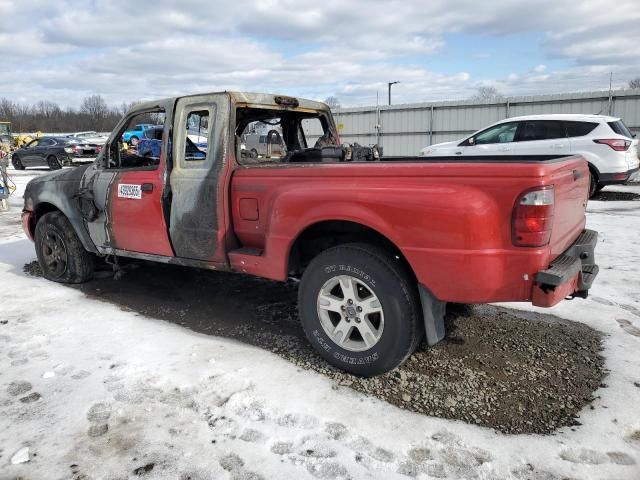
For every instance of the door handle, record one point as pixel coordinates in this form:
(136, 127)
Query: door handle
(146, 187)
(458, 153)
(558, 145)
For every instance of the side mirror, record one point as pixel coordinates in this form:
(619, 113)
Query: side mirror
(471, 141)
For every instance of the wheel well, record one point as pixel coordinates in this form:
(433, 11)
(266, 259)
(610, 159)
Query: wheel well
(323, 235)
(40, 210)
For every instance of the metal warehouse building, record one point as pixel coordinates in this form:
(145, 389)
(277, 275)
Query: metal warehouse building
(405, 129)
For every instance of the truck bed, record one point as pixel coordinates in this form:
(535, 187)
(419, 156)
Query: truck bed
(478, 158)
(450, 216)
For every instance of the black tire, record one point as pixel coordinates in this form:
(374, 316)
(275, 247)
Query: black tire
(254, 153)
(68, 262)
(134, 141)
(375, 271)
(593, 184)
(17, 163)
(53, 162)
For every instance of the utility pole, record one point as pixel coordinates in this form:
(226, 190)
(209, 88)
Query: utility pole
(610, 92)
(389, 87)
(377, 126)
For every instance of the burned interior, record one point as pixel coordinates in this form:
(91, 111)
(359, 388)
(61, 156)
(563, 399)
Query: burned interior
(265, 135)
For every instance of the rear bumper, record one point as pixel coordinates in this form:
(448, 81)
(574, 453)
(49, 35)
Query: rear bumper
(570, 275)
(616, 178)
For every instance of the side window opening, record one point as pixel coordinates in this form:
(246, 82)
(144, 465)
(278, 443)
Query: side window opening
(533, 130)
(503, 133)
(139, 142)
(197, 138)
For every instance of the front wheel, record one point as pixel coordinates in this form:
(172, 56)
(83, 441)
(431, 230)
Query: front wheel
(17, 163)
(359, 309)
(61, 255)
(54, 163)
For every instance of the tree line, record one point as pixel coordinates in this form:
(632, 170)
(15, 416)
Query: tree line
(95, 114)
(49, 117)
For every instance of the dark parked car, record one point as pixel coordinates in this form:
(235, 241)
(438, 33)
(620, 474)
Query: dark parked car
(53, 152)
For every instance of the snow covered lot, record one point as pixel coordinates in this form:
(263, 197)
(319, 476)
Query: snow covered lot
(89, 390)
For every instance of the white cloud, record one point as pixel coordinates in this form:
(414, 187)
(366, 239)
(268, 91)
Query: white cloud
(66, 49)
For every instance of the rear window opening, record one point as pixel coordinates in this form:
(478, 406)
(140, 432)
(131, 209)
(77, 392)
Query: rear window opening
(277, 136)
(620, 128)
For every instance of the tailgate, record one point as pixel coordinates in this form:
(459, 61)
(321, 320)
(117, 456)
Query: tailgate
(571, 186)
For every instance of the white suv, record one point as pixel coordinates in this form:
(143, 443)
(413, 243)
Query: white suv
(605, 142)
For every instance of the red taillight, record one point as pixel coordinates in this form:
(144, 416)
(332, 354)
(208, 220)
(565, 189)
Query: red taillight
(533, 218)
(618, 144)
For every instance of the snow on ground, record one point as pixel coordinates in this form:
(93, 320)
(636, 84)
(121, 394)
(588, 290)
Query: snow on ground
(97, 392)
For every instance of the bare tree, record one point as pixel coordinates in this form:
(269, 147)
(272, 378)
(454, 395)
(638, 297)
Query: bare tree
(47, 116)
(96, 109)
(634, 83)
(332, 102)
(487, 93)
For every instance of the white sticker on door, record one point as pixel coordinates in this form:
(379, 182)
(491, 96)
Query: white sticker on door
(126, 190)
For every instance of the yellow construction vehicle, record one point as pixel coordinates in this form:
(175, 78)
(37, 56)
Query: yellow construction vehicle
(6, 139)
(9, 141)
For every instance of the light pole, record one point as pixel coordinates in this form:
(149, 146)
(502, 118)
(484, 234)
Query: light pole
(389, 87)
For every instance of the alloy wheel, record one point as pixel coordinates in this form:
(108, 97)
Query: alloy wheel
(350, 313)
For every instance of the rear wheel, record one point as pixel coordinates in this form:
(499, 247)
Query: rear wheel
(53, 162)
(359, 309)
(60, 252)
(17, 163)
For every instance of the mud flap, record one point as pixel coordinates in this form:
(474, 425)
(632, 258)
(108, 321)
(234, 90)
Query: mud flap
(433, 313)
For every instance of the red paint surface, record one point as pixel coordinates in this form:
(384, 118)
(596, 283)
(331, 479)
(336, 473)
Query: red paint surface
(452, 221)
(138, 225)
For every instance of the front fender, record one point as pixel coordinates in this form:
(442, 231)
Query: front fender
(57, 190)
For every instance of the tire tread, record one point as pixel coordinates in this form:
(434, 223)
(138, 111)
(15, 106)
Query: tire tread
(381, 257)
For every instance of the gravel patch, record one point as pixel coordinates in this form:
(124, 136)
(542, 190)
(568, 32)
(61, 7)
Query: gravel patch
(516, 372)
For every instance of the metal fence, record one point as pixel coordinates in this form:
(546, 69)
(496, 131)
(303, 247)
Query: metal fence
(405, 129)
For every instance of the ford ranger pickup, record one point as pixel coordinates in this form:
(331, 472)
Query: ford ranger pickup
(378, 244)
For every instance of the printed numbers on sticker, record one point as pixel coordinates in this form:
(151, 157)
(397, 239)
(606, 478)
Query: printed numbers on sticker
(126, 190)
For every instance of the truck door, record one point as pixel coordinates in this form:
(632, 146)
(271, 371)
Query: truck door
(198, 218)
(128, 190)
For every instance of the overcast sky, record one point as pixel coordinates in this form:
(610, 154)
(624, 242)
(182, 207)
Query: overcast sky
(63, 50)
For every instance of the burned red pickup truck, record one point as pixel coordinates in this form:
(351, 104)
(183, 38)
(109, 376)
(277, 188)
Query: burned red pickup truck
(379, 244)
